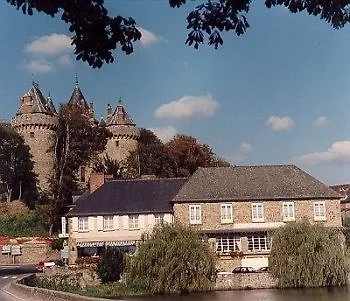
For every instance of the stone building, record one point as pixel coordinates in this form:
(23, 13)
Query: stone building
(125, 133)
(240, 207)
(36, 120)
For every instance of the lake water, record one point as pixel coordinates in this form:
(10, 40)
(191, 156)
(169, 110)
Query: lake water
(335, 294)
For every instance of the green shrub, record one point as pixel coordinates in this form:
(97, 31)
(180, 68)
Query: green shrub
(172, 259)
(305, 255)
(58, 244)
(111, 266)
(23, 224)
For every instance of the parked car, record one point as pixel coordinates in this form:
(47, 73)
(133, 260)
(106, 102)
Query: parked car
(263, 269)
(243, 270)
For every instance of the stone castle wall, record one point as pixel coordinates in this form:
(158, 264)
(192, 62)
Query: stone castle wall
(38, 131)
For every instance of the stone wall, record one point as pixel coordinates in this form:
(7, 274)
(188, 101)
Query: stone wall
(32, 252)
(242, 214)
(231, 281)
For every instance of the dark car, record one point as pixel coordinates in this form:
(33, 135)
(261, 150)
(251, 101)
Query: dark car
(243, 270)
(263, 269)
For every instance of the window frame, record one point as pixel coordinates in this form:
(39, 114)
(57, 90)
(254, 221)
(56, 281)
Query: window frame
(227, 216)
(318, 217)
(158, 218)
(257, 219)
(108, 223)
(83, 223)
(228, 244)
(258, 243)
(288, 217)
(133, 222)
(197, 220)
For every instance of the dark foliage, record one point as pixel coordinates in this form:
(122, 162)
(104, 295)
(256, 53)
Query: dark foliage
(111, 266)
(96, 33)
(16, 167)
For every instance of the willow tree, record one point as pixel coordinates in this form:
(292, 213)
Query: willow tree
(305, 255)
(172, 259)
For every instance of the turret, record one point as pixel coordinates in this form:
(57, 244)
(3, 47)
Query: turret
(125, 133)
(36, 120)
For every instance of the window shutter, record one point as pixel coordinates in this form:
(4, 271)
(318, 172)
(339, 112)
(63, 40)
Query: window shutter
(74, 224)
(100, 223)
(125, 219)
(115, 222)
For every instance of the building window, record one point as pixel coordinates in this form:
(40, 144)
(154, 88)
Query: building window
(83, 224)
(288, 211)
(31, 134)
(257, 212)
(133, 222)
(319, 211)
(195, 214)
(108, 222)
(158, 219)
(116, 143)
(228, 244)
(226, 213)
(258, 243)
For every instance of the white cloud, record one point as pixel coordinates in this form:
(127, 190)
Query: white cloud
(164, 134)
(338, 153)
(280, 124)
(148, 37)
(321, 121)
(243, 151)
(188, 106)
(38, 66)
(49, 45)
(65, 60)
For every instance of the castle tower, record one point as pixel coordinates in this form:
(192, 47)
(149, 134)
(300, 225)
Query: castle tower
(36, 120)
(77, 99)
(125, 133)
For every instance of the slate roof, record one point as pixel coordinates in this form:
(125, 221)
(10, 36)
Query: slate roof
(77, 98)
(39, 103)
(247, 183)
(128, 197)
(119, 117)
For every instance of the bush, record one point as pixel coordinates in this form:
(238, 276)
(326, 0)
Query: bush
(23, 224)
(305, 255)
(172, 259)
(111, 266)
(58, 244)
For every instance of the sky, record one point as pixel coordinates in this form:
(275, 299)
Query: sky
(277, 95)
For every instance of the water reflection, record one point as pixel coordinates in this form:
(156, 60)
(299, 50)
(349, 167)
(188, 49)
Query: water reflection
(335, 294)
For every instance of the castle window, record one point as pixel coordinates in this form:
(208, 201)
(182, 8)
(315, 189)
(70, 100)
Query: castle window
(31, 134)
(117, 143)
(82, 174)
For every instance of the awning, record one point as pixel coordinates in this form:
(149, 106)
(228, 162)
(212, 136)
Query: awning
(91, 244)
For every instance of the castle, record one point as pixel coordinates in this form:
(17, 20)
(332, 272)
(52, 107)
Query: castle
(37, 122)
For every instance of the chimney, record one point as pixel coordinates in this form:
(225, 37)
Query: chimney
(96, 181)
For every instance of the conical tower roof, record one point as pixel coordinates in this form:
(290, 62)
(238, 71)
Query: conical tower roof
(77, 97)
(119, 117)
(34, 102)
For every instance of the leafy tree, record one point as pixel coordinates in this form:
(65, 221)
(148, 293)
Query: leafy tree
(152, 158)
(78, 140)
(91, 25)
(189, 154)
(305, 255)
(108, 166)
(111, 266)
(16, 167)
(172, 259)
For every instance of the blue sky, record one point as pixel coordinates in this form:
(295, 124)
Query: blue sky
(277, 95)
